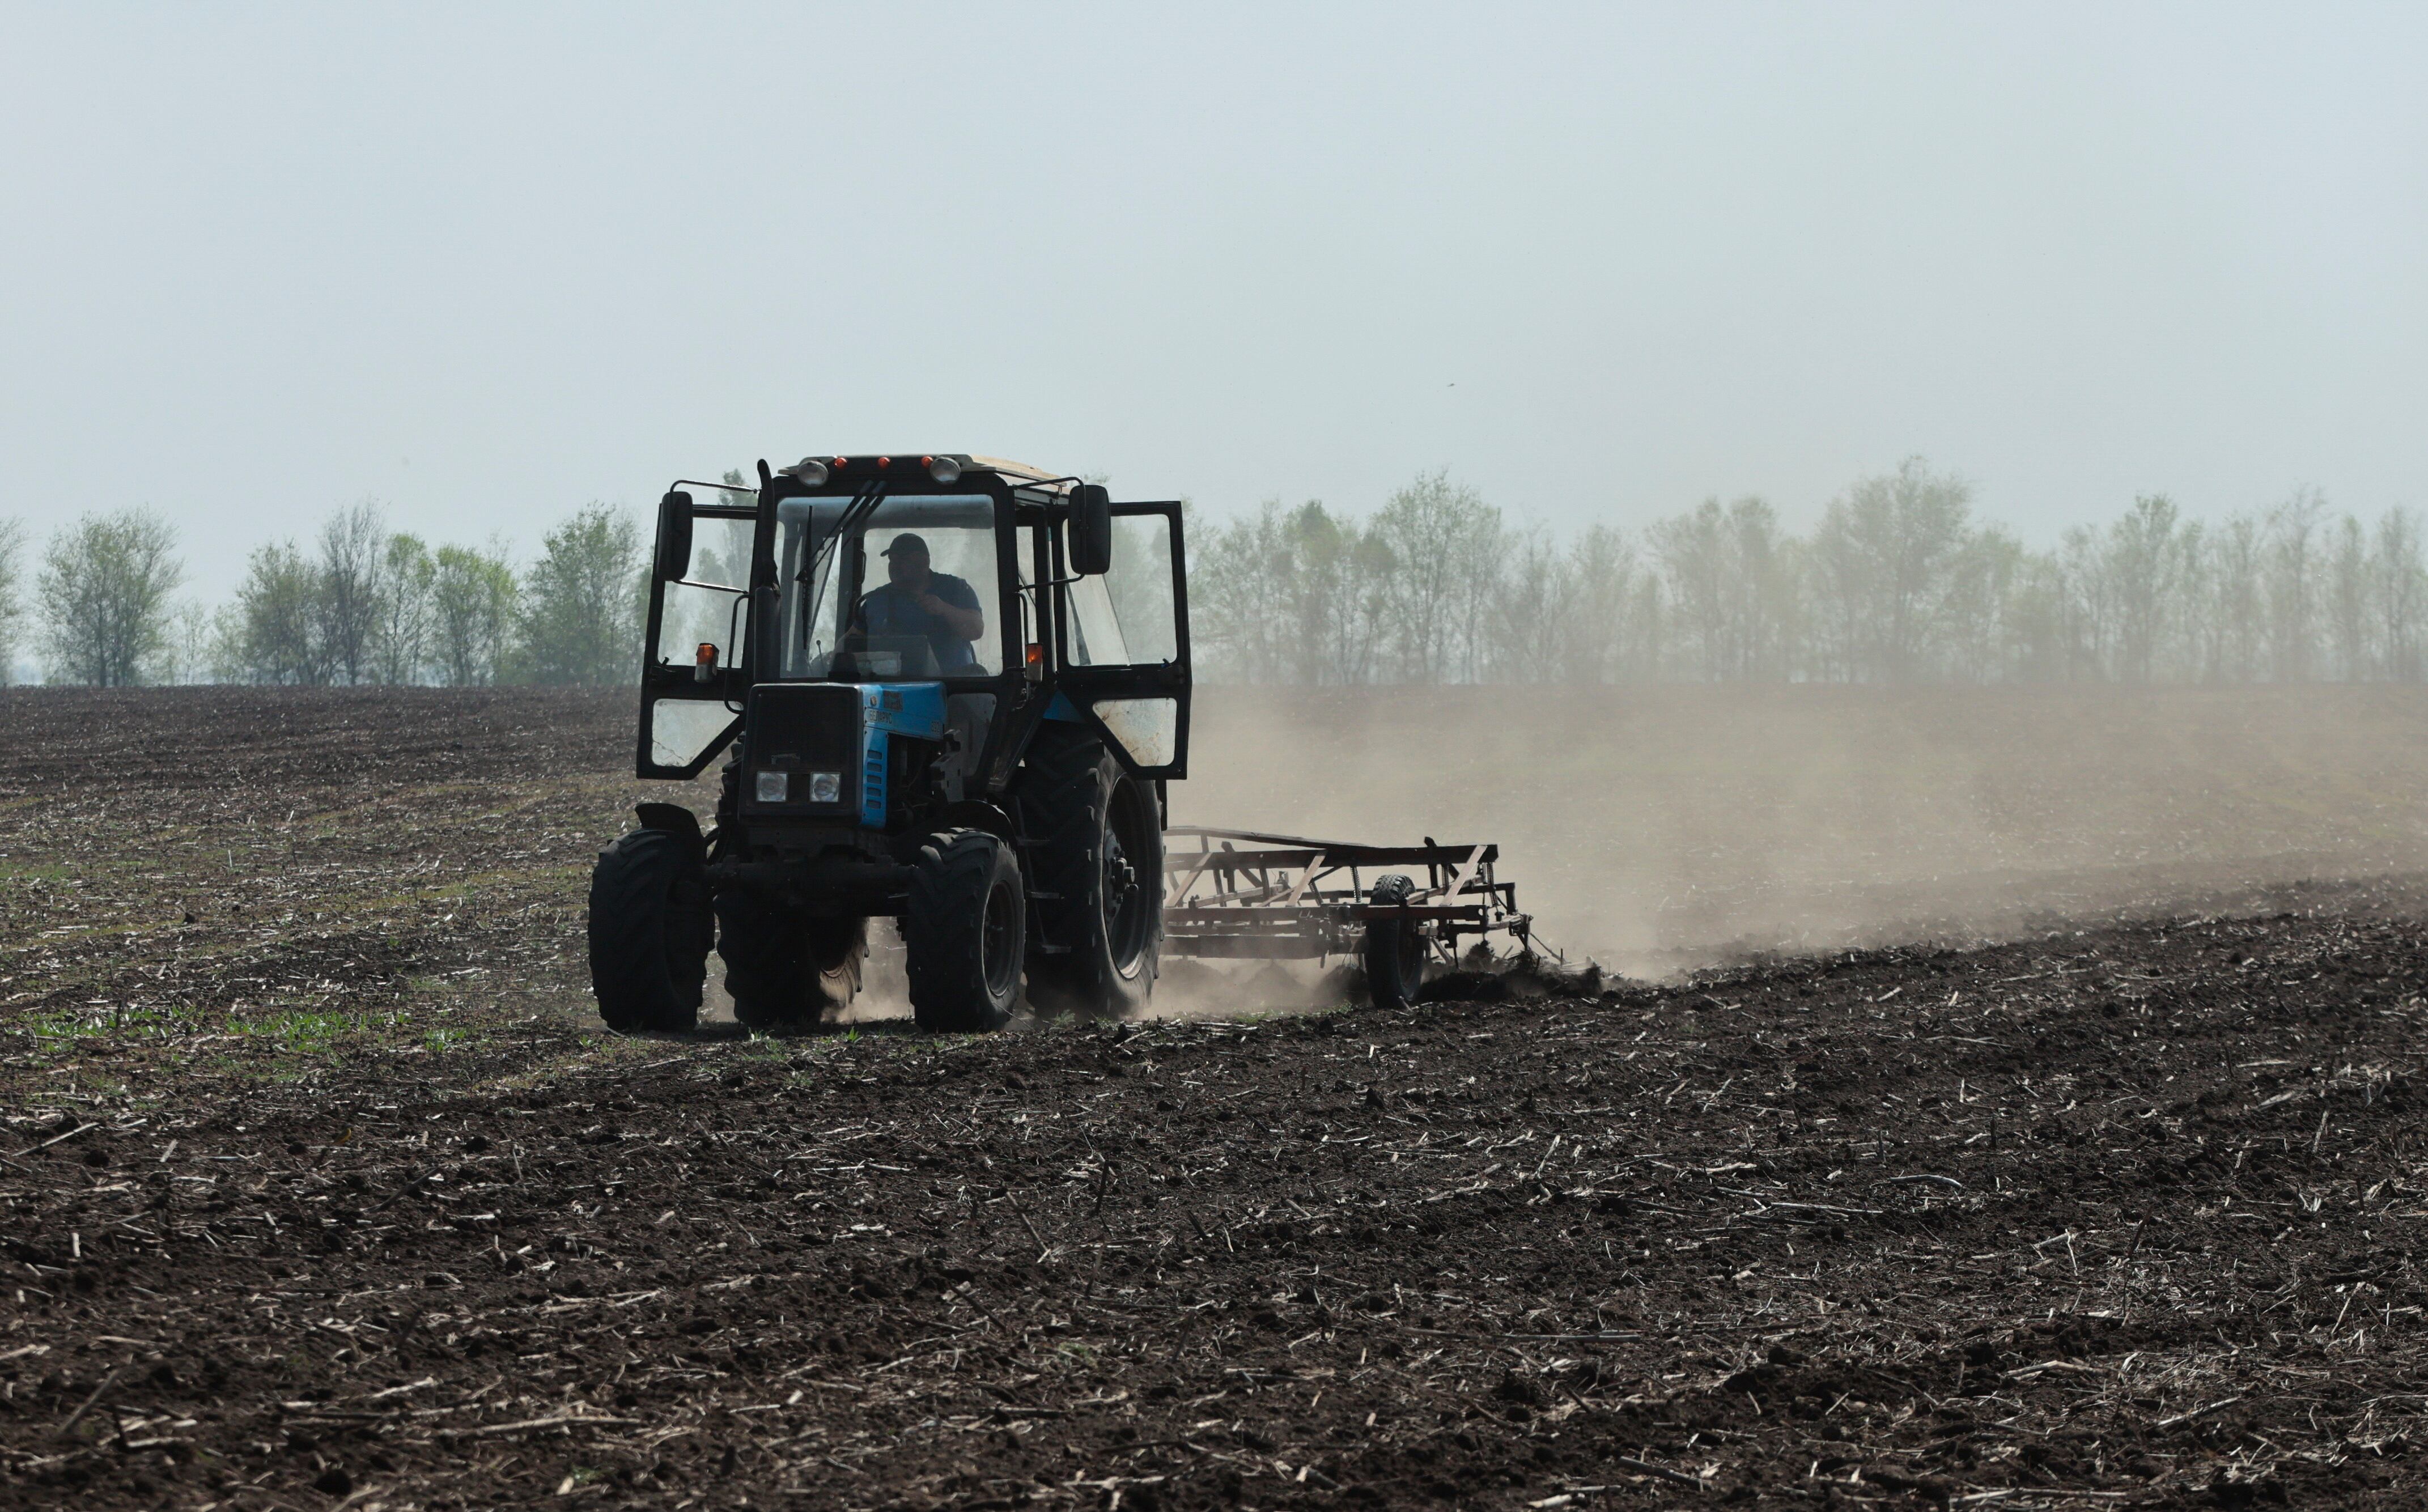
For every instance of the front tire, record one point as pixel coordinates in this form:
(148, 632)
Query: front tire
(1097, 854)
(962, 931)
(650, 929)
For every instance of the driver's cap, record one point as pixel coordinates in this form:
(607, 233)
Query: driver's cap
(907, 543)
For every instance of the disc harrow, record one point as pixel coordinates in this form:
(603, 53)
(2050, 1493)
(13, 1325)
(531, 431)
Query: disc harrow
(1245, 895)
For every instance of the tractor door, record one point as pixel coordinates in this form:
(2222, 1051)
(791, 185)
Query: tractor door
(1125, 644)
(694, 656)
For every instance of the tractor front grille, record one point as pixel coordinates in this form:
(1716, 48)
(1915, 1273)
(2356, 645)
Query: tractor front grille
(792, 733)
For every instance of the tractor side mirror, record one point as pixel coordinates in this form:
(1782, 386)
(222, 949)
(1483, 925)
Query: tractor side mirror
(674, 536)
(1091, 544)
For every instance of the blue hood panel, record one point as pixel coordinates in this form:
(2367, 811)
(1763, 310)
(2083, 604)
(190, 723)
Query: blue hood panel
(913, 709)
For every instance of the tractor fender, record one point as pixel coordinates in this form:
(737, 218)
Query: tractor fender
(678, 821)
(978, 813)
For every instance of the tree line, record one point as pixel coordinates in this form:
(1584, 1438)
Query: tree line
(1896, 582)
(359, 604)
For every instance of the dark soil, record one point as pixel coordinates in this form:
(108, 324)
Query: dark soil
(2120, 1217)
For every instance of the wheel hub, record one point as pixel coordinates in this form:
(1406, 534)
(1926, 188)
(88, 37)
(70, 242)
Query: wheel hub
(1121, 878)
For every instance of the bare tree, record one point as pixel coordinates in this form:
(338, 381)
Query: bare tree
(2292, 570)
(1527, 622)
(1895, 584)
(581, 599)
(2188, 633)
(225, 646)
(187, 655)
(1607, 604)
(281, 630)
(1291, 596)
(2351, 626)
(1768, 604)
(2089, 606)
(2143, 570)
(12, 611)
(1978, 633)
(1732, 591)
(1236, 579)
(1885, 547)
(353, 574)
(2239, 599)
(1482, 566)
(2034, 622)
(104, 593)
(472, 596)
(1837, 582)
(1436, 532)
(1696, 561)
(2399, 589)
(1337, 592)
(401, 646)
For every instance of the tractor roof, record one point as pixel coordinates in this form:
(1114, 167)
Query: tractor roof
(1021, 471)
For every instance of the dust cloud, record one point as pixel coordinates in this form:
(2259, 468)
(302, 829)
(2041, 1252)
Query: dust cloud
(1662, 827)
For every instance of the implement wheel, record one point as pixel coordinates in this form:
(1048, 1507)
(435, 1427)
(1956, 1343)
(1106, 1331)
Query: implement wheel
(1097, 856)
(650, 929)
(963, 933)
(1395, 948)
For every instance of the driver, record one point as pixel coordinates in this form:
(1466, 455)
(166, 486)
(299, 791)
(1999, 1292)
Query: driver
(918, 600)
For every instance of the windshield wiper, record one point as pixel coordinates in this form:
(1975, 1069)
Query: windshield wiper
(855, 515)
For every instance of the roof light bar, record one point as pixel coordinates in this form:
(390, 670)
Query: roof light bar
(815, 471)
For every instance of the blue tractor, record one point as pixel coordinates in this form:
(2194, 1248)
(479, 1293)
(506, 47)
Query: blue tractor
(950, 691)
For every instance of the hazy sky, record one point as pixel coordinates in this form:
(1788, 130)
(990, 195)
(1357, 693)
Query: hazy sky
(486, 263)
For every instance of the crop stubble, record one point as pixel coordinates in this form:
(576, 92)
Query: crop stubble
(295, 1215)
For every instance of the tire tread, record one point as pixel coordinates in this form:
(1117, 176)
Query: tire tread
(944, 947)
(650, 929)
(1067, 782)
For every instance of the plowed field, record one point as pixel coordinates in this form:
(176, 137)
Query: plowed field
(319, 1188)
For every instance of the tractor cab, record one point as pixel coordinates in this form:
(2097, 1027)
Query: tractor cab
(798, 581)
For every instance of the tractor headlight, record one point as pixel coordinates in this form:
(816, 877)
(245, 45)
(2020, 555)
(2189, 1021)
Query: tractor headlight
(811, 471)
(944, 470)
(826, 787)
(772, 786)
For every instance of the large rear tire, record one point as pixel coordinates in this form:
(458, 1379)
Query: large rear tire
(650, 929)
(1395, 948)
(1096, 851)
(785, 971)
(962, 933)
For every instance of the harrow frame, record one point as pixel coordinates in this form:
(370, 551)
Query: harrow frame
(1246, 895)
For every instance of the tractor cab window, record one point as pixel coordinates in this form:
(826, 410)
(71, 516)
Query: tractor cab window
(703, 606)
(1125, 617)
(1125, 622)
(908, 592)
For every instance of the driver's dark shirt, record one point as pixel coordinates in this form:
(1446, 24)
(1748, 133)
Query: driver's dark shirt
(893, 609)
